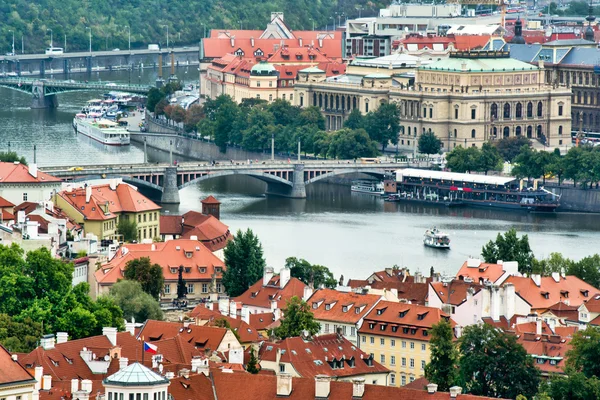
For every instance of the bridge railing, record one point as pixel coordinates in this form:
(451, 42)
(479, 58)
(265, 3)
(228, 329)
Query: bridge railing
(77, 85)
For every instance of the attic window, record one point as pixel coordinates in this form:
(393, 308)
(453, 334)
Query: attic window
(269, 348)
(564, 293)
(422, 316)
(345, 308)
(382, 327)
(553, 362)
(425, 332)
(318, 362)
(585, 293)
(402, 314)
(404, 330)
(308, 351)
(218, 269)
(173, 270)
(294, 352)
(259, 53)
(315, 305)
(189, 254)
(202, 270)
(357, 310)
(188, 270)
(327, 307)
(351, 362)
(413, 331)
(371, 325)
(381, 310)
(545, 294)
(394, 328)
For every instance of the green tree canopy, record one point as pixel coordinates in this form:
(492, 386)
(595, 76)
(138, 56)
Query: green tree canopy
(11, 156)
(128, 228)
(493, 364)
(429, 143)
(149, 275)
(442, 368)
(355, 120)
(489, 158)
(316, 276)
(244, 261)
(509, 148)
(349, 144)
(134, 302)
(585, 352)
(463, 160)
(296, 319)
(383, 124)
(509, 247)
(252, 366)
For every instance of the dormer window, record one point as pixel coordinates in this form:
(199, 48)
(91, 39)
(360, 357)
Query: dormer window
(381, 310)
(173, 270)
(188, 254)
(564, 293)
(402, 314)
(394, 329)
(405, 330)
(188, 270)
(382, 327)
(585, 293)
(425, 332)
(202, 270)
(327, 307)
(351, 362)
(258, 53)
(546, 295)
(315, 305)
(357, 310)
(413, 331)
(345, 309)
(371, 325)
(218, 269)
(422, 316)
(239, 53)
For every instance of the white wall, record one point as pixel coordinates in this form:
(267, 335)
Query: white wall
(35, 193)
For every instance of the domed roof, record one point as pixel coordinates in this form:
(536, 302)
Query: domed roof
(263, 68)
(136, 375)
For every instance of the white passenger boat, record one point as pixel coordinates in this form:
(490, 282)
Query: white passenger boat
(366, 186)
(102, 130)
(436, 239)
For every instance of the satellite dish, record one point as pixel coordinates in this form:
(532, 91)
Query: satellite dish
(160, 368)
(107, 358)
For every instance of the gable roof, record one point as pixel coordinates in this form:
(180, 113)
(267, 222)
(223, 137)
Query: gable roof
(336, 306)
(11, 372)
(453, 292)
(200, 336)
(246, 332)
(5, 203)
(170, 254)
(478, 270)
(314, 356)
(261, 296)
(19, 173)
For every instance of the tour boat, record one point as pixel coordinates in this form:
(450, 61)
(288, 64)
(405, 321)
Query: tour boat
(365, 186)
(102, 130)
(436, 239)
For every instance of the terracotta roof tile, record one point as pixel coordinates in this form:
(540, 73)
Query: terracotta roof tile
(550, 292)
(200, 336)
(210, 200)
(336, 306)
(170, 225)
(19, 173)
(261, 296)
(485, 271)
(246, 332)
(5, 203)
(262, 321)
(593, 304)
(6, 216)
(11, 371)
(26, 206)
(454, 292)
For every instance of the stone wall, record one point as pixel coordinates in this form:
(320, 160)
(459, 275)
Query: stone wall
(575, 199)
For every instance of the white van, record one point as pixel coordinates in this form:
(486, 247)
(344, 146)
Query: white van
(54, 50)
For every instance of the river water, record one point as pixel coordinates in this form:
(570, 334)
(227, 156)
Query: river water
(351, 233)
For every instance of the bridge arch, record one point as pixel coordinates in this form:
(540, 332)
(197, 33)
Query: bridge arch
(377, 173)
(268, 178)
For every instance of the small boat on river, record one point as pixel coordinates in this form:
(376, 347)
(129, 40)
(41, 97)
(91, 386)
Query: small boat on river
(436, 239)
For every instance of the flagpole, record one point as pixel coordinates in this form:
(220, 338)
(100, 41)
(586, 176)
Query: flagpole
(143, 352)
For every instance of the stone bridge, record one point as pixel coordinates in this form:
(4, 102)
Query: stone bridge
(44, 91)
(282, 178)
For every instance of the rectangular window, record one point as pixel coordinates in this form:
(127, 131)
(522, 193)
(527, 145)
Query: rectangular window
(412, 362)
(326, 328)
(24, 196)
(281, 367)
(393, 379)
(422, 364)
(382, 342)
(456, 113)
(372, 340)
(219, 288)
(120, 396)
(131, 396)
(205, 288)
(167, 288)
(352, 331)
(190, 288)
(145, 396)
(560, 110)
(392, 360)
(364, 339)
(382, 359)
(344, 330)
(473, 111)
(412, 345)
(139, 218)
(393, 342)
(431, 113)
(423, 347)
(404, 361)
(109, 396)
(403, 344)
(144, 217)
(403, 380)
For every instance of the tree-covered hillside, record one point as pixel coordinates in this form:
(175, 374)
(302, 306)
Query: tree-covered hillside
(108, 19)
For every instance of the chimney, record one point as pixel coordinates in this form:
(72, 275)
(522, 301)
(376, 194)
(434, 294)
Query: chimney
(300, 41)
(46, 382)
(111, 334)
(509, 300)
(62, 337)
(37, 374)
(112, 184)
(86, 354)
(224, 305)
(267, 275)
(537, 279)
(538, 327)
(322, 383)
(284, 384)
(245, 314)
(307, 293)
(74, 385)
(455, 391)
(123, 361)
(153, 247)
(14, 357)
(284, 277)
(47, 342)
(252, 42)
(276, 314)
(232, 309)
(196, 363)
(358, 388)
(273, 305)
(556, 277)
(495, 306)
(33, 170)
(431, 388)
(88, 193)
(458, 331)
(86, 386)
(232, 40)
(184, 372)
(130, 327)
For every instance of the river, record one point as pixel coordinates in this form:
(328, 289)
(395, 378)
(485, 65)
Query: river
(351, 233)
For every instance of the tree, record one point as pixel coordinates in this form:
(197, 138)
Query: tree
(12, 156)
(177, 114)
(493, 364)
(252, 366)
(463, 160)
(526, 164)
(181, 286)
(355, 120)
(587, 270)
(284, 113)
(193, 116)
(574, 163)
(311, 116)
(429, 143)
(574, 386)
(296, 319)
(509, 247)
(316, 276)
(128, 228)
(51, 277)
(245, 263)
(383, 124)
(585, 352)
(224, 119)
(154, 97)
(134, 302)
(349, 144)
(257, 136)
(159, 108)
(489, 158)
(18, 336)
(149, 275)
(509, 148)
(442, 367)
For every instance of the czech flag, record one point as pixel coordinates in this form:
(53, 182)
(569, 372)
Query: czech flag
(150, 348)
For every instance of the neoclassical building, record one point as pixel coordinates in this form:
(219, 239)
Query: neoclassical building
(466, 99)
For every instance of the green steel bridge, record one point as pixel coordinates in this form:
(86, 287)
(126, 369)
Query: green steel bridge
(44, 91)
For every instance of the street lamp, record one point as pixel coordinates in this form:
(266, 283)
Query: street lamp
(313, 21)
(50, 37)
(90, 29)
(13, 42)
(129, 35)
(65, 49)
(204, 27)
(167, 26)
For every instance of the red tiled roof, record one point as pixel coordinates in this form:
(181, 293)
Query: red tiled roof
(408, 320)
(486, 271)
(593, 304)
(11, 371)
(454, 292)
(418, 384)
(564, 311)
(246, 332)
(210, 200)
(261, 296)
(124, 198)
(168, 256)
(19, 173)
(262, 321)
(26, 206)
(170, 225)
(5, 203)
(302, 354)
(470, 42)
(6, 216)
(546, 346)
(347, 307)
(209, 230)
(568, 288)
(200, 336)
(43, 223)
(565, 331)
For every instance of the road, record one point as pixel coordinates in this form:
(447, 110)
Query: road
(82, 54)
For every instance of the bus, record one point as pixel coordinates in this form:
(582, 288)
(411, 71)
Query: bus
(54, 50)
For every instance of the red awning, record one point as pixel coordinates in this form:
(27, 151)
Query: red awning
(467, 189)
(453, 188)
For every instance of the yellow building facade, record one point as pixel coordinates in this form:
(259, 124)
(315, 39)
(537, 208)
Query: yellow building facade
(397, 335)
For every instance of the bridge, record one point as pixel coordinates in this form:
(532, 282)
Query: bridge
(44, 91)
(282, 178)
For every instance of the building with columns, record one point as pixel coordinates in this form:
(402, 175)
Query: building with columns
(467, 99)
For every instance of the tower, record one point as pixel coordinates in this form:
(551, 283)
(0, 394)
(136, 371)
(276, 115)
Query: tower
(518, 38)
(589, 32)
(211, 206)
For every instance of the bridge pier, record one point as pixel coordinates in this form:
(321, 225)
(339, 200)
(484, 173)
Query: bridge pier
(40, 100)
(170, 194)
(296, 191)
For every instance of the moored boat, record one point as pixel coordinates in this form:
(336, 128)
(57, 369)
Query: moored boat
(366, 186)
(102, 130)
(436, 239)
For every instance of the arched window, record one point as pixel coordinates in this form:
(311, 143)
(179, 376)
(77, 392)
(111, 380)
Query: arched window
(506, 111)
(473, 134)
(585, 97)
(320, 100)
(409, 131)
(578, 97)
(518, 131)
(337, 102)
(495, 132)
(538, 133)
(529, 110)
(506, 132)
(314, 99)
(560, 130)
(539, 113)
(494, 111)
(529, 132)
(455, 133)
(366, 105)
(519, 110)
(587, 79)
(584, 119)
(353, 103)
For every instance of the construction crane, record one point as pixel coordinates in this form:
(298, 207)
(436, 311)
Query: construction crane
(501, 4)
